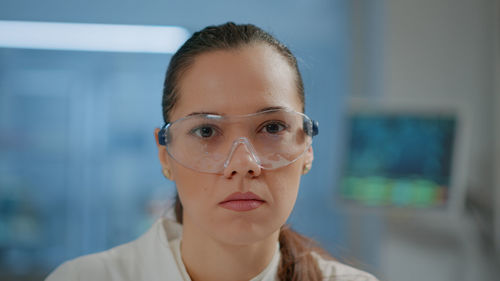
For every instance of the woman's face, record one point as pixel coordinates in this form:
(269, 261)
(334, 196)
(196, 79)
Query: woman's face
(236, 82)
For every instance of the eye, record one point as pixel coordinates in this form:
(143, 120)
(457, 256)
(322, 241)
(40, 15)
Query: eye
(204, 131)
(274, 127)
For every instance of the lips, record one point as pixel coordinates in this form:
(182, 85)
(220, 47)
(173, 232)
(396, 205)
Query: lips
(242, 202)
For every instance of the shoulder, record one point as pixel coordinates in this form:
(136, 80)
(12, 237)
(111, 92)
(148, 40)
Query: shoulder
(334, 270)
(131, 261)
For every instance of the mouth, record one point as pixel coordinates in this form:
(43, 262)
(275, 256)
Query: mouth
(242, 202)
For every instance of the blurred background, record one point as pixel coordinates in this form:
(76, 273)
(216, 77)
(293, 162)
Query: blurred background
(406, 178)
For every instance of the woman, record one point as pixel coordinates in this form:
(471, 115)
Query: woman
(236, 143)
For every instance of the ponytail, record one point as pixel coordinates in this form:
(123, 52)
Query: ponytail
(178, 209)
(297, 262)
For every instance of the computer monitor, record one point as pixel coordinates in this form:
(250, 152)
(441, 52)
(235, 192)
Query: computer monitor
(405, 154)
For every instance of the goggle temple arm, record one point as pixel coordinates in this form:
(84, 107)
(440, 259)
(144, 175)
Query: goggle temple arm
(315, 127)
(311, 131)
(161, 134)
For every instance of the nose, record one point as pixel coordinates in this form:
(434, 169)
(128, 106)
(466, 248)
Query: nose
(242, 160)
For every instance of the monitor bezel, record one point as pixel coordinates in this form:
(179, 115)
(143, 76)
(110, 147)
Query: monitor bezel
(461, 152)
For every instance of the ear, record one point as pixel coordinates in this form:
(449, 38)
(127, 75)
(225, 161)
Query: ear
(309, 156)
(163, 156)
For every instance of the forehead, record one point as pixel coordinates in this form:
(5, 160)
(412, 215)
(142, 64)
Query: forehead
(237, 82)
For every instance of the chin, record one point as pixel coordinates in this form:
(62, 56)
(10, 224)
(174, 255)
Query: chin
(242, 238)
(242, 232)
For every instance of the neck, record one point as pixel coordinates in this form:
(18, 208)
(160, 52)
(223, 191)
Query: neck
(207, 259)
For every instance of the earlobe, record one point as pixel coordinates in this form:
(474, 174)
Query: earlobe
(167, 174)
(309, 157)
(306, 168)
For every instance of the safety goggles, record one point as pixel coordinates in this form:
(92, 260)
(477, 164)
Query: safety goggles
(206, 142)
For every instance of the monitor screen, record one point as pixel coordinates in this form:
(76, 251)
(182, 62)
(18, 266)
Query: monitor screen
(398, 159)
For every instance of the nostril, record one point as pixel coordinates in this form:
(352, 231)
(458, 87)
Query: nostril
(251, 172)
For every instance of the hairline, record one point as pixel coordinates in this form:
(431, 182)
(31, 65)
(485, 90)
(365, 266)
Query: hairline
(189, 63)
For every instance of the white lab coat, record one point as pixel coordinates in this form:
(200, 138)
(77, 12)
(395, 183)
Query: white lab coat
(155, 256)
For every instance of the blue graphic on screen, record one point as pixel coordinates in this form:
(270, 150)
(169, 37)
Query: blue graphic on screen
(399, 160)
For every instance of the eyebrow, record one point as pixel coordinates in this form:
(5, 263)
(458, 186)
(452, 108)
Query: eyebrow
(216, 113)
(272, 108)
(258, 111)
(202, 113)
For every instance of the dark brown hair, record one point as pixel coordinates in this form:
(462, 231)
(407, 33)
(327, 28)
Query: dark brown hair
(297, 262)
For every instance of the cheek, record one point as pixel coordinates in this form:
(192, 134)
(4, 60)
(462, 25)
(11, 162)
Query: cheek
(286, 186)
(193, 187)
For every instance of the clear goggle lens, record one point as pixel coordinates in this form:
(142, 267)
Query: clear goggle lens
(205, 142)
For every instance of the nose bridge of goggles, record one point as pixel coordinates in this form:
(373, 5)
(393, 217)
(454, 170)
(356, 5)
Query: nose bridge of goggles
(247, 145)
